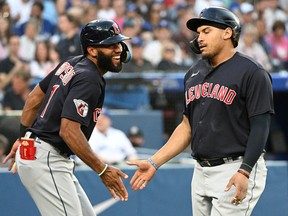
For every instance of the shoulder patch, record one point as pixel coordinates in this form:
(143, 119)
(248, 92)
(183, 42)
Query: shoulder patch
(81, 107)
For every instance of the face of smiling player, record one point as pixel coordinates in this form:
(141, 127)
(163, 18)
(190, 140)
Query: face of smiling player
(109, 58)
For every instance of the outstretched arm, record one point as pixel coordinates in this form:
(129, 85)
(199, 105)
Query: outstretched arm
(71, 133)
(179, 140)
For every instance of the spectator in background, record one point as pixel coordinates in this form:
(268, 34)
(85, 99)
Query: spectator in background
(278, 41)
(12, 61)
(247, 13)
(183, 37)
(20, 12)
(155, 13)
(28, 41)
(5, 10)
(249, 45)
(132, 27)
(41, 65)
(78, 13)
(137, 63)
(177, 10)
(111, 145)
(5, 33)
(135, 135)
(152, 50)
(54, 56)
(105, 10)
(271, 11)
(119, 7)
(167, 62)
(45, 28)
(50, 11)
(4, 145)
(67, 40)
(90, 13)
(200, 4)
(146, 33)
(262, 32)
(143, 7)
(64, 5)
(16, 95)
(132, 11)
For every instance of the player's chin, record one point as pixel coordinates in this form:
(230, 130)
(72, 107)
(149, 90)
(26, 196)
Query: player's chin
(116, 69)
(205, 54)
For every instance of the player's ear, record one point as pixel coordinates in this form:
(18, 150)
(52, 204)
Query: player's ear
(228, 33)
(92, 51)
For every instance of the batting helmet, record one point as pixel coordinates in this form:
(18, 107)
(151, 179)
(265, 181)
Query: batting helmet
(218, 17)
(103, 32)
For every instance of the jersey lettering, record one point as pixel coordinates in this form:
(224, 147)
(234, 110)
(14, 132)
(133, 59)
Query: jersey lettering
(65, 73)
(54, 88)
(96, 114)
(210, 90)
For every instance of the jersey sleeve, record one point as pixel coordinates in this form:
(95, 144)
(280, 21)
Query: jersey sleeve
(81, 102)
(44, 83)
(259, 93)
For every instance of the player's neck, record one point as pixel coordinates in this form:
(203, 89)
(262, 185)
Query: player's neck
(222, 57)
(94, 60)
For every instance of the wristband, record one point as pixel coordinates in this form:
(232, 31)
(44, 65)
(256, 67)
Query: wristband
(243, 173)
(105, 168)
(153, 164)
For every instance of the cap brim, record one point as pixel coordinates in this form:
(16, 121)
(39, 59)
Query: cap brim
(115, 39)
(194, 23)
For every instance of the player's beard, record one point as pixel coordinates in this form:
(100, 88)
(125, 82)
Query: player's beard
(106, 63)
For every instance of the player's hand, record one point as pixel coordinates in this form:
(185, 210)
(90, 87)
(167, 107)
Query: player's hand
(143, 175)
(241, 184)
(11, 155)
(112, 180)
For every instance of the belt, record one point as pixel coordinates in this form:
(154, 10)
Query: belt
(217, 161)
(45, 145)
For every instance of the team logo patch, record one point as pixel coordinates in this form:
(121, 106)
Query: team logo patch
(81, 106)
(116, 28)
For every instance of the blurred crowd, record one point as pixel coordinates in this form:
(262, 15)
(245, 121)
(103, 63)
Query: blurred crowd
(35, 35)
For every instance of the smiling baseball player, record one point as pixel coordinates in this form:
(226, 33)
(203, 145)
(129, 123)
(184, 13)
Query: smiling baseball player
(60, 115)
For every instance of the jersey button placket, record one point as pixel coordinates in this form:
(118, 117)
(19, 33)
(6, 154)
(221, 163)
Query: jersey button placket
(200, 122)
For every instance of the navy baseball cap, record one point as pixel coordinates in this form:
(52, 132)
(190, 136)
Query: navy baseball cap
(181, 5)
(105, 111)
(131, 7)
(129, 23)
(135, 131)
(163, 24)
(136, 41)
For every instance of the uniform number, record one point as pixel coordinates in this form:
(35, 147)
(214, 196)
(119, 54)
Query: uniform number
(54, 88)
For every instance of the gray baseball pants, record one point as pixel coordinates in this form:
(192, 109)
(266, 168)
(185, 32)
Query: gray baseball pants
(51, 182)
(208, 185)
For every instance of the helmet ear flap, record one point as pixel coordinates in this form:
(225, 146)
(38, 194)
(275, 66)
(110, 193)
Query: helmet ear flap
(125, 56)
(195, 46)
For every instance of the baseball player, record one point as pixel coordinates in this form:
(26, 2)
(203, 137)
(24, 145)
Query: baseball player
(228, 106)
(58, 119)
